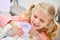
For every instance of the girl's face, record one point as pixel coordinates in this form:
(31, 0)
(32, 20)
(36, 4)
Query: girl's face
(39, 18)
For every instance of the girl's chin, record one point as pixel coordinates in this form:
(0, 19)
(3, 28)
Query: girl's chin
(36, 27)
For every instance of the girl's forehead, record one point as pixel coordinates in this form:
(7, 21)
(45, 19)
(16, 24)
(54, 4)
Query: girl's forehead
(39, 9)
(40, 12)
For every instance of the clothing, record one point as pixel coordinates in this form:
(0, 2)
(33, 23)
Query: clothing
(6, 19)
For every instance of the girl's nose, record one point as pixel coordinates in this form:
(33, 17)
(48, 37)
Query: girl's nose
(37, 21)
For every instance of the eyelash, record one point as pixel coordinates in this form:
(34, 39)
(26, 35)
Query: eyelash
(35, 16)
(41, 20)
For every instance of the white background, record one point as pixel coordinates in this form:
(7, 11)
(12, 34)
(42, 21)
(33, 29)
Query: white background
(27, 3)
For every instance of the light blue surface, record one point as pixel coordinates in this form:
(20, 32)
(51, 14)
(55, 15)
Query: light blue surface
(26, 28)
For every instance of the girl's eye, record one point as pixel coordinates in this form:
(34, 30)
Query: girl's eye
(41, 20)
(35, 16)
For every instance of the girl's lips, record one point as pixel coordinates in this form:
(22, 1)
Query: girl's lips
(35, 25)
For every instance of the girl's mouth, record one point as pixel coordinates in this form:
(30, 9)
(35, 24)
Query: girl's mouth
(35, 25)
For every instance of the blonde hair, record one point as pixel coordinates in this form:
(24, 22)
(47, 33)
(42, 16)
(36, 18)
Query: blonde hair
(51, 31)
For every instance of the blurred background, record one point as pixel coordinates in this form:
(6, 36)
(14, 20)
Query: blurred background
(27, 3)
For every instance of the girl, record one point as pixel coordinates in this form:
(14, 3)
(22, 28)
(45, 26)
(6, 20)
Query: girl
(42, 19)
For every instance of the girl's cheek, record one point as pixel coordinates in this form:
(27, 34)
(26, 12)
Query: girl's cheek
(32, 19)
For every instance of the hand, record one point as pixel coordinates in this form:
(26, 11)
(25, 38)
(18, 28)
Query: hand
(17, 29)
(39, 36)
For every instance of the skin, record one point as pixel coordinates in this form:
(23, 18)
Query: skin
(39, 18)
(18, 31)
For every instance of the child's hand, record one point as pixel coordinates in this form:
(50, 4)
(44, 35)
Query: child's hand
(18, 30)
(39, 36)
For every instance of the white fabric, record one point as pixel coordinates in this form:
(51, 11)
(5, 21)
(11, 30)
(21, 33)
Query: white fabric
(5, 30)
(5, 5)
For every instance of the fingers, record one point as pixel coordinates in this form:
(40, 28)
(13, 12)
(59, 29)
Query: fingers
(18, 31)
